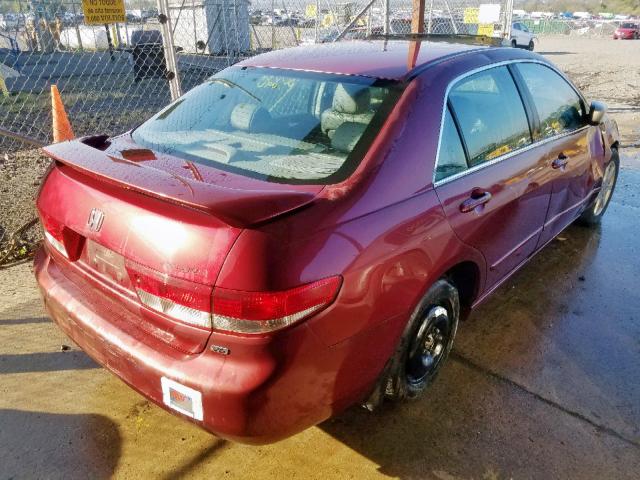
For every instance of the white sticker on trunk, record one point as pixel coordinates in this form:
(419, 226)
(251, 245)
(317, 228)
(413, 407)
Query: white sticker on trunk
(182, 398)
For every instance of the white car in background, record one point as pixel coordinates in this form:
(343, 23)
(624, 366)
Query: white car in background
(521, 36)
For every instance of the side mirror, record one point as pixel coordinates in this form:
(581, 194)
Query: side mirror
(596, 112)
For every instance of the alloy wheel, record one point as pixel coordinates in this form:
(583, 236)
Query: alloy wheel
(608, 181)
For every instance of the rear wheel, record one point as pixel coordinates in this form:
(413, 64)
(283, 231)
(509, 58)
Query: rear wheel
(425, 344)
(593, 215)
(531, 46)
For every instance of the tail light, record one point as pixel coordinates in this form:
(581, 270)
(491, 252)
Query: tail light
(191, 302)
(53, 233)
(182, 300)
(63, 240)
(261, 312)
(55, 243)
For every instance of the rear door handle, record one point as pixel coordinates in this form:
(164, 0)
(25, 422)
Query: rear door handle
(477, 199)
(561, 161)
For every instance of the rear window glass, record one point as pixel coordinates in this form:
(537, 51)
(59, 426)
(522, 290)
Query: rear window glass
(276, 125)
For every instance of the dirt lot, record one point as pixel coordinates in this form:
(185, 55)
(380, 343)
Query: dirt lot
(544, 381)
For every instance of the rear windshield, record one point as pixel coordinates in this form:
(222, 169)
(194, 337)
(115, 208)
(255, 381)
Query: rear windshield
(276, 125)
(628, 25)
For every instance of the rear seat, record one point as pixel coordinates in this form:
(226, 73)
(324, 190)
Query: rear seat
(346, 136)
(351, 103)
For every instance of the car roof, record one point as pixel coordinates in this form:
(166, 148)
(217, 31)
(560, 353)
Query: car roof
(386, 59)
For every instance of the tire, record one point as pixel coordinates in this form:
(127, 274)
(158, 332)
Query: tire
(427, 339)
(530, 46)
(514, 44)
(594, 213)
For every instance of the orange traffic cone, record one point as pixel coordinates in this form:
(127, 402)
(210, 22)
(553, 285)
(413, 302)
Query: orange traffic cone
(61, 126)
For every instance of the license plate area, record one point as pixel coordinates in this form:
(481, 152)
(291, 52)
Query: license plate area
(107, 264)
(181, 398)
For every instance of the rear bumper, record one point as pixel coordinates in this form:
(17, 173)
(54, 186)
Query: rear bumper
(254, 395)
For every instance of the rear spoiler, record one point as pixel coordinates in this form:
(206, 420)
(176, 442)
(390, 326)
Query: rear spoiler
(236, 207)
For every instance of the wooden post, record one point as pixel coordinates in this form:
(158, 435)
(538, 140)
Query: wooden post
(417, 27)
(417, 17)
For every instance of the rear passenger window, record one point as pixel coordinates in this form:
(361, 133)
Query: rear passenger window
(451, 157)
(491, 115)
(559, 107)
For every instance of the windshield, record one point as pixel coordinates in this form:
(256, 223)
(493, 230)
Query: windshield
(276, 125)
(628, 25)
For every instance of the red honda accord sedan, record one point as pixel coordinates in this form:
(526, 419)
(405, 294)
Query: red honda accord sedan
(305, 230)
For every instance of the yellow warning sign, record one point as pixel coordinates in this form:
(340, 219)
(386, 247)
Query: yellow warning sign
(99, 12)
(471, 15)
(328, 20)
(485, 29)
(311, 11)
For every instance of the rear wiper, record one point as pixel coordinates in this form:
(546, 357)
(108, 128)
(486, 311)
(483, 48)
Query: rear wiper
(231, 84)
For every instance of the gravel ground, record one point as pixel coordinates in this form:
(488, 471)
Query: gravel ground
(20, 176)
(603, 68)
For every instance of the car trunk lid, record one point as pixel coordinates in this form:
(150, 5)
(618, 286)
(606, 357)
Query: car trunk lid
(145, 233)
(237, 200)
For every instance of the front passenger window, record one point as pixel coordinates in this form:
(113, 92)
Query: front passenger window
(559, 107)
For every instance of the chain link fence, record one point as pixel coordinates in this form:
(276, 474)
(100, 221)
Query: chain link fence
(578, 28)
(112, 77)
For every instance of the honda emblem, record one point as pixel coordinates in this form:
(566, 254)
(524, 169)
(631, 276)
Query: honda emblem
(96, 217)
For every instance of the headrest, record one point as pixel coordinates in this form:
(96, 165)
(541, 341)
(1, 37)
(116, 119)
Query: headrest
(347, 135)
(378, 94)
(249, 116)
(351, 98)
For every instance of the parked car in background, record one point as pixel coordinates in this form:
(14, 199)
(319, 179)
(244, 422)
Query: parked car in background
(522, 37)
(627, 31)
(305, 230)
(150, 14)
(13, 20)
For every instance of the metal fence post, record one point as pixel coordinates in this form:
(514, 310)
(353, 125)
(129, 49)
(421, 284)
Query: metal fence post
(77, 28)
(430, 17)
(386, 17)
(173, 75)
(508, 17)
(316, 33)
(273, 25)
